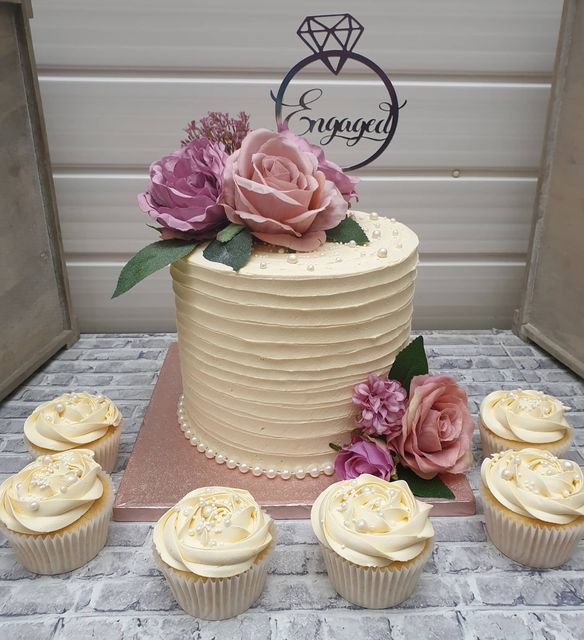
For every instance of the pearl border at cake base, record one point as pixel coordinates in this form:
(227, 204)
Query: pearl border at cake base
(244, 467)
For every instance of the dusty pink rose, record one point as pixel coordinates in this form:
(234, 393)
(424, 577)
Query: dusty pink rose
(437, 427)
(345, 183)
(383, 404)
(363, 456)
(276, 190)
(184, 191)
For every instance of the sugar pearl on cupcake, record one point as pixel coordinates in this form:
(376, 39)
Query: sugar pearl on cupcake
(361, 525)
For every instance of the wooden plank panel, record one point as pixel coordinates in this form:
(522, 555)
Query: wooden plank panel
(147, 307)
(133, 121)
(451, 295)
(467, 295)
(553, 305)
(460, 36)
(35, 316)
(99, 213)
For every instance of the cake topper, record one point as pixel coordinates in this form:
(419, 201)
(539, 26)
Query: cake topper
(332, 39)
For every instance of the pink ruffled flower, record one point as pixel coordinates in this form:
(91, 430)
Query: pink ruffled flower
(437, 428)
(184, 190)
(276, 190)
(363, 456)
(383, 405)
(345, 183)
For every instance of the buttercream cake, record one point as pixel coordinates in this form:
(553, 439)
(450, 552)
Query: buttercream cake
(270, 354)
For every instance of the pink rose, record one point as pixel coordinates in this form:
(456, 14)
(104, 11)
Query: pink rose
(437, 427)
(363, 456)
(277, 191)
(383, 405)
(345, 183)
(184, 191)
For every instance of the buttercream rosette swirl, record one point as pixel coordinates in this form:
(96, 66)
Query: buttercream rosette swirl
(51, 493)
(535, 484)
(214, 532)
(524, 415)
(71, 420)
(371, 522)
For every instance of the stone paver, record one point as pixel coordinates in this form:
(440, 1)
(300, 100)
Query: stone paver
(468, 590)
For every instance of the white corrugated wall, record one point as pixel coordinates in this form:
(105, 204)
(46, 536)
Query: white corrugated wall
(120, 78)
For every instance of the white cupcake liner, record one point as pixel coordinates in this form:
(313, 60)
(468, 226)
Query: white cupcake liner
(492, 443)
(105, 449)
(375, 588)
(217, 598)
(69, 548)
(539, 545)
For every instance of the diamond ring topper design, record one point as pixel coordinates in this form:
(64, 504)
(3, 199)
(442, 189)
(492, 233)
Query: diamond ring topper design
(337, 33)
(310, 112)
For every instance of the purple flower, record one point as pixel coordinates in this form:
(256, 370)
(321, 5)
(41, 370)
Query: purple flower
(363, 456)
(383, 405)
(345, 184)
(184, 189)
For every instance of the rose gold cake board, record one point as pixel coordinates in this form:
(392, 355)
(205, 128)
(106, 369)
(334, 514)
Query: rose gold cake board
(164, 466)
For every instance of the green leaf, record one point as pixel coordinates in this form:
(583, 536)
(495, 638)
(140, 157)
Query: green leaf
(421, 488)
(335, 447)
(229, 232)
(409, 362)
(235, 253)
(150, 259)
(346, 231)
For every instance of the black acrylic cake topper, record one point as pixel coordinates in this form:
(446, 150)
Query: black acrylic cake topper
(332, 38)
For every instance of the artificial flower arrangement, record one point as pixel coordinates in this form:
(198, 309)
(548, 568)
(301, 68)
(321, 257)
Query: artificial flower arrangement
(410, 425)
(231, 186)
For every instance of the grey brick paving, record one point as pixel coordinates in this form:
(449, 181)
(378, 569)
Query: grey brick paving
(468, 589)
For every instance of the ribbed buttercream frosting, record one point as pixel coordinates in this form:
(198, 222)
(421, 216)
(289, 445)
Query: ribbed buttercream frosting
(270, 355)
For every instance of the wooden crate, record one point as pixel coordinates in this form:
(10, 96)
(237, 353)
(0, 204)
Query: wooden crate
(35, 312)
(552, 313)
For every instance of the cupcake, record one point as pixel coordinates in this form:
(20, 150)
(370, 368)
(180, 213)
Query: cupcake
(534, 506)
(213, 548)
(76, 420)
(375, 537)
(523, 418)
(55, 512)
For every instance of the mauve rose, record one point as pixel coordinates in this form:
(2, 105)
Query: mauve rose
(345, 183)
(277, 191)
(437, 427)
(184, 190)
(363, 456)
